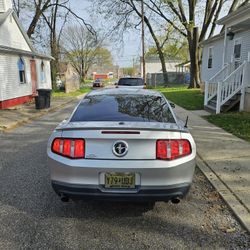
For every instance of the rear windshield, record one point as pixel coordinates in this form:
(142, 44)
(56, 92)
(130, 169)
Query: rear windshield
(130, 82)
(131, 108)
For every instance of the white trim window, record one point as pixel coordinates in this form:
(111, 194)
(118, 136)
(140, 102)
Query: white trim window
(42, 72)
(210, 58)
(237, 52)
(21, 70)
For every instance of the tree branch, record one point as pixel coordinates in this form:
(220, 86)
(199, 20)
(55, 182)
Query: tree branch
(156, 9)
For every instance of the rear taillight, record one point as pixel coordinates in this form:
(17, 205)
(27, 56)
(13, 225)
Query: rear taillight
(67, 147)
(172, 149)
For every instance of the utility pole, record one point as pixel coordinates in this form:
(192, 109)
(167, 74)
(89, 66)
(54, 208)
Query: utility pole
(143, 41)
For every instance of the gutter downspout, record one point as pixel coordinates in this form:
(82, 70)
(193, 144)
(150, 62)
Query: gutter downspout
(224, 49)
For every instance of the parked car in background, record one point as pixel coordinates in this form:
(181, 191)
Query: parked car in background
(59, 83)
(131, 82)
(122, 145)
(98, 83)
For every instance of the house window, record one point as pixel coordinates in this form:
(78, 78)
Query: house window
(210, 58)
(42, 72)
(237, 50)
(237, 53)
(21, 69)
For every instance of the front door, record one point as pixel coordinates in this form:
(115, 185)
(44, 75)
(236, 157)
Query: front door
(33, 76)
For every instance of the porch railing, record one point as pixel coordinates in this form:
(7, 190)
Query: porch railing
(221, 75)
(232, 85)
(211, 85)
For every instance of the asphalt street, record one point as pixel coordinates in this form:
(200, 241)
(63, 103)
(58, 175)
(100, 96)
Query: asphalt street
(33, 217)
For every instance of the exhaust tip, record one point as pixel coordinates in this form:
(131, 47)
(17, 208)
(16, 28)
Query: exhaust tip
(64, 198)
(175, 200)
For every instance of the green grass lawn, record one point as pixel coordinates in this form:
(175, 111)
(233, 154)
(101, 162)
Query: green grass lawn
(59, 93)
(236, 123)
(191, 99)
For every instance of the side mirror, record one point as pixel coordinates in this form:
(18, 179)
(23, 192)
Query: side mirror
(116, 83)
(172, 105)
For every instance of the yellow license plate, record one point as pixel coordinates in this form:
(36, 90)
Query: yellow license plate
(119, 180)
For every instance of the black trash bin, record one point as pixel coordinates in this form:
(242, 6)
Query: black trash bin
(43, 98)
(40, 102)
(47, 98)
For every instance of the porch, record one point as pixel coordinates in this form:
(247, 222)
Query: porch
(229, 88)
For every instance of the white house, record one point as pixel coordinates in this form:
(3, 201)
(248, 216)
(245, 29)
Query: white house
(226, 64)
(154, 73)
(153, 65)
(22, 69)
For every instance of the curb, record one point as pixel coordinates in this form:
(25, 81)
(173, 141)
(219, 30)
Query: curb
(35, 116)
(234, 203)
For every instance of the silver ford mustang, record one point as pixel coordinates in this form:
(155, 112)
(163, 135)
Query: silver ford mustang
(122, 145)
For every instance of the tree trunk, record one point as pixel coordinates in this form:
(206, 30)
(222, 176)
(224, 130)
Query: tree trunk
(55, 62)
(163, 65)
(54, 45)
(157, 43)
(84, 75)
(34, 22)
(194, 58)
(159, 50)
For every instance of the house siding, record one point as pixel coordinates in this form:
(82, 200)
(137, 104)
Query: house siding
(10, 85)
(13, 40)
(245, 46)
(2, 6)
(11, 36)
(46, 84)
(2, 76)
(156, 67)
(5, 5)
(218, 46)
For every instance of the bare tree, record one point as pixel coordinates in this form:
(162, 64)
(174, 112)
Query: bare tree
(81, 48)
(124, 11)
(189, 26)
(158, 45)
(54, 14)
(39, 7)
(16, 6)
(182, 16)
(51, 19)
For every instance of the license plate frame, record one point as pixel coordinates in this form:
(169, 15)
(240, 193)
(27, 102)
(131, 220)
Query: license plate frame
(116, 180)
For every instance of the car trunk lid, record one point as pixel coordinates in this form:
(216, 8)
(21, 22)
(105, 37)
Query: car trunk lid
(101, 137)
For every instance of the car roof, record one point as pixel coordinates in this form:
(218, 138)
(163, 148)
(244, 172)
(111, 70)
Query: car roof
(124, 91)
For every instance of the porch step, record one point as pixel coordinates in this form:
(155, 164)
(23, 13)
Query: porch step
(210, 109)
(230, 104)
(213, 102)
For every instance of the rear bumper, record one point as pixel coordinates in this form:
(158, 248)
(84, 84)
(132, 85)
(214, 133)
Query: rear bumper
(141, 194)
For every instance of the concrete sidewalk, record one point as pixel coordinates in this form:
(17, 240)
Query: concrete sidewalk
(15, 116)
(224, 159)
